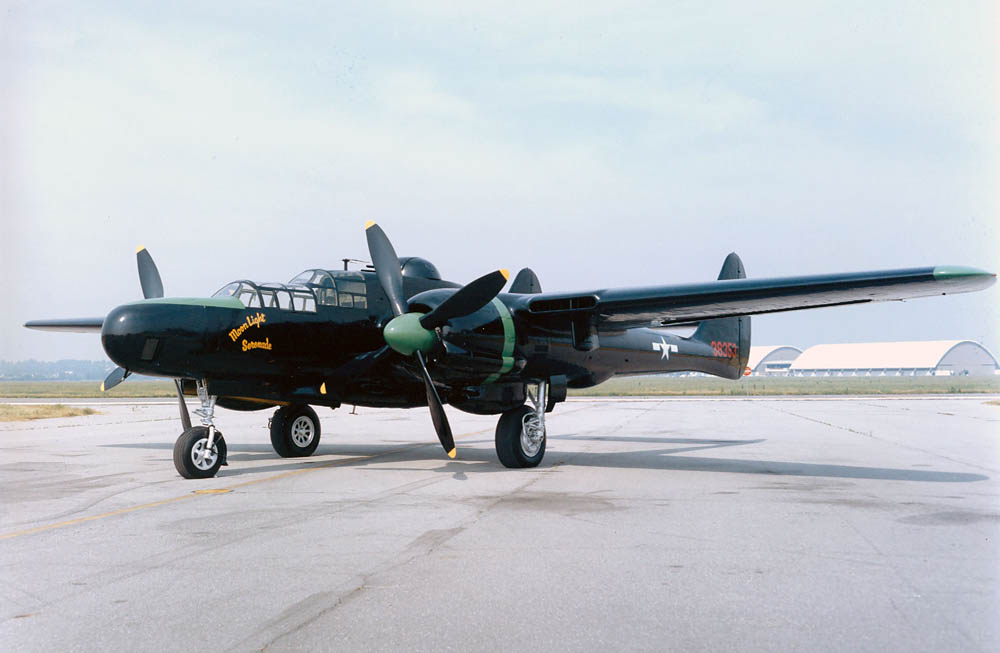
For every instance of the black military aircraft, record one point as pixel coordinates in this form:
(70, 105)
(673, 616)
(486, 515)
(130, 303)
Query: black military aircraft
(397, 335)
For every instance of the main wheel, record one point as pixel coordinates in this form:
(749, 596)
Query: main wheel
(295, 431)
(520, 442)
(193, 458)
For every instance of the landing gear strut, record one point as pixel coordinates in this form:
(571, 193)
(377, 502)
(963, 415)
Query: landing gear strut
(520, 437)
(200, 451)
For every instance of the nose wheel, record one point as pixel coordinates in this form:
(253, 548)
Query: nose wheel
(200, 451)
(198, 456)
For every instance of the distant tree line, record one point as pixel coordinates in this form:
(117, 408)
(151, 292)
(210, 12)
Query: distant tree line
(64, 370)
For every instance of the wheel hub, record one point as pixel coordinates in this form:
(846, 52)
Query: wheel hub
(531, 435)
(202, 457)
(303, 431)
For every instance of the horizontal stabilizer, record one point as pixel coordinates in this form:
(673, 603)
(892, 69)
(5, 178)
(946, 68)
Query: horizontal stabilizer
(72, 325)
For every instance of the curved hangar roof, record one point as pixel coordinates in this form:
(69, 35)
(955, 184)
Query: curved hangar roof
(771, 353)
(959, 355)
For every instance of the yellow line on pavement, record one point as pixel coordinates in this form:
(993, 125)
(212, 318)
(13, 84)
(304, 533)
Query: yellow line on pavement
(225, 490)
(81, 520)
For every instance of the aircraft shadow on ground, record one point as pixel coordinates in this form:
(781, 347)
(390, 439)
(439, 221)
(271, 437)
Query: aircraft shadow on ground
(483, 459)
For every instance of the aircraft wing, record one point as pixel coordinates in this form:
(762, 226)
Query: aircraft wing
(72, 325)
(626, 308)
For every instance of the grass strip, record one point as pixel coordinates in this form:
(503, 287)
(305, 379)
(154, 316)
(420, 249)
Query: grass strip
(24, 413)
(691, 386)
(763, 385)
(85, 389)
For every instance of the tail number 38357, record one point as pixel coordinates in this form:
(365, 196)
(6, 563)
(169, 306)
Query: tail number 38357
(724, 349)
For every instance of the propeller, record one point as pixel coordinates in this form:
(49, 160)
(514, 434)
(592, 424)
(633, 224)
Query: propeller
(149, 276)
(152, 288)
(413, 334)
(117, 375)
(468, 299)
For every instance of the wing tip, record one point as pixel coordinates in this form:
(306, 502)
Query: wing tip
(964, 274)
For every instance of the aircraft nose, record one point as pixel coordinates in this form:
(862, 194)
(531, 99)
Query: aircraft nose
(123, 335)
(135, 335)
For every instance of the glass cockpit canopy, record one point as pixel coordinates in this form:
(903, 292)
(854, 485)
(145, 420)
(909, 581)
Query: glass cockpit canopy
(270, 295)
(302, 293)
(345, 289)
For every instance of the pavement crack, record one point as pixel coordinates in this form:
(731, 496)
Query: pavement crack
(871, 434)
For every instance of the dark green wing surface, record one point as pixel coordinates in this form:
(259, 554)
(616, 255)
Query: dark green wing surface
(73, 325)
(625, 308)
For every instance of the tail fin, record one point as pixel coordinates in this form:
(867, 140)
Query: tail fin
(526, 282)
(729, 335)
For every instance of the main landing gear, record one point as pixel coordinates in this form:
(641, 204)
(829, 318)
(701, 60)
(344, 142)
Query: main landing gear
(200, 451)
(295, 431)
(520, 437)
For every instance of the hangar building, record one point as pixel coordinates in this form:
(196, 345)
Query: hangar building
(772, 360)
(925, 358)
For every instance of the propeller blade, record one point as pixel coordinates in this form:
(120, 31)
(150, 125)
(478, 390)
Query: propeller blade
(467, 299)
(117, 375)
(149, 276)
(386, 267)
(438, 415)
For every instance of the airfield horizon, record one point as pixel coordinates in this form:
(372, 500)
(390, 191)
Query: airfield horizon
(654, 386)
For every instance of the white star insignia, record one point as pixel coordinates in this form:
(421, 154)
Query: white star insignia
(664, 348)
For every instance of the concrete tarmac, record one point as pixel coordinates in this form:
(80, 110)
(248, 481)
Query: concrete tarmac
(868, 524)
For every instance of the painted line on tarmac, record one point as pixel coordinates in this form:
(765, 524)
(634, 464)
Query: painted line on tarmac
(82, 520)
(223, 490)
(203, 492)
(229, 488)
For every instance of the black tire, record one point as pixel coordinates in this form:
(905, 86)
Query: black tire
(190, 460)
(510, 447)
(295, 431)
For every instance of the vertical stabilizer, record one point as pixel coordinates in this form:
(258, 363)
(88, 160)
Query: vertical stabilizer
(730, 336)
(526, 282)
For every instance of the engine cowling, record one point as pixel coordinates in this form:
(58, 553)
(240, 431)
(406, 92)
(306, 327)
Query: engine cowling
(480, 348)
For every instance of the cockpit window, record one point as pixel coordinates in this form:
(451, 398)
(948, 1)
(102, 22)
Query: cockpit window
(272, 295)
(303, 300)
(276, 296)
(227, 290)
(344, 289)
(244, 291)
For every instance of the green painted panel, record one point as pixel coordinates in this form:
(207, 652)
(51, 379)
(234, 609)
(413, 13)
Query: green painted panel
(218, 302)
(509, 340)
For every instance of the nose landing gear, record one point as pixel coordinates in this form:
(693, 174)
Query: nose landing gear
(200, 451)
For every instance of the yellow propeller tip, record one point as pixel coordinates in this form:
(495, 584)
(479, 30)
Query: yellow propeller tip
(139, 248)
(102, 388)
(506, 273)
(369, 224)
(452, 453)
(322, 389)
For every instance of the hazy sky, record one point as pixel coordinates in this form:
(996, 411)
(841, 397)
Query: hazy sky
(609, 145)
